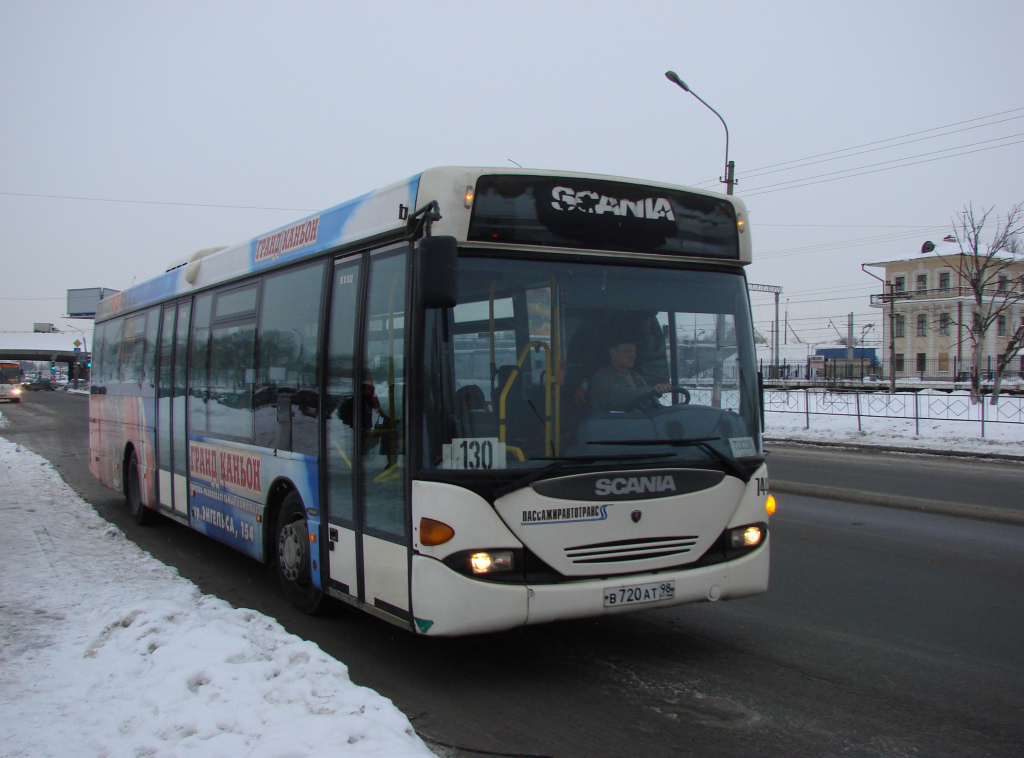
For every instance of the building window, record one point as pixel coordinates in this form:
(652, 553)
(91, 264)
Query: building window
(901, 325)
(922, 282)
(943, 363)
(1003, 283)
(901, 284)
(922, 362)
(922, 325)
(944, 321)
(1001, 326)
(944, 281)
(899, 362)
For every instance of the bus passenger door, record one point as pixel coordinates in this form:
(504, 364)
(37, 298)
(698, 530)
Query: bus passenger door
(367, 512)
(171, 374)
(339, 439)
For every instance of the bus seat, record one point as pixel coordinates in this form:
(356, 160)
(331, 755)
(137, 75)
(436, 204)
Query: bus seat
(473, 417)
(523, 428)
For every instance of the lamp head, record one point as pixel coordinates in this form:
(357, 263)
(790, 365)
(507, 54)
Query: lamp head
(673, 77)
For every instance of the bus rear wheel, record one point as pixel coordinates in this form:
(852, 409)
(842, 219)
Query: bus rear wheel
(293, 556)
(133, 496)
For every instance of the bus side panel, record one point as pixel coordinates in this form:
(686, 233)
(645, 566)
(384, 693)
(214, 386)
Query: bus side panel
(115, 422)
(229, 487)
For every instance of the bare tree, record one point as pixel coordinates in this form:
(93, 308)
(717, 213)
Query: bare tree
(992, 270)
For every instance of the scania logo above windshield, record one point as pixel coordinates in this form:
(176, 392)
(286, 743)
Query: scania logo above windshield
(587, 201)
(633, 485)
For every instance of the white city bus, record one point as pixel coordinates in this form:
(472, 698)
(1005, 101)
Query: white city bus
(396, 401)
(11, 380)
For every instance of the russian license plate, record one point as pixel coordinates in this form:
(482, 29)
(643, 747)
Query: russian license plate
(632, 594)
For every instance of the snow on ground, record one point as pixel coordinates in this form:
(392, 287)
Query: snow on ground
(108, 652)
(1000, 438)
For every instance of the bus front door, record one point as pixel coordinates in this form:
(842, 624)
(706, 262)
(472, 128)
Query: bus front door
(367, 510)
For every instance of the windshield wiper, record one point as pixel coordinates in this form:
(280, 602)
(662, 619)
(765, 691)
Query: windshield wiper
(559, 462)
(701, 442)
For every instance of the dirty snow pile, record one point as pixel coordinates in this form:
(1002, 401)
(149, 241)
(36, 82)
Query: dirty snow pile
(106, 651)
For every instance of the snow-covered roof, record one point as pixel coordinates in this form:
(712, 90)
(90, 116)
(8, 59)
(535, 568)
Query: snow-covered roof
(941, 248)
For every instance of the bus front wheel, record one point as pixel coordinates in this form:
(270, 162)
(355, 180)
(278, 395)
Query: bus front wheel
(141, 515)
(293, 556)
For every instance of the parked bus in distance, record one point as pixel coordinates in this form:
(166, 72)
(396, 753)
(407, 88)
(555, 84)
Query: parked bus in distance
(11, 380)
(469, 401)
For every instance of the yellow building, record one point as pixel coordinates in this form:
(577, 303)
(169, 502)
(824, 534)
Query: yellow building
(929, 305)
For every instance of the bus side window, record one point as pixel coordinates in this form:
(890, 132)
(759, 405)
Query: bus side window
(286, 402)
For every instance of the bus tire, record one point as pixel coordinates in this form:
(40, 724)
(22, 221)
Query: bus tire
(141, 515)
(293, 557)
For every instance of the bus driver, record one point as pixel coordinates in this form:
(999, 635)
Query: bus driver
(617, 387)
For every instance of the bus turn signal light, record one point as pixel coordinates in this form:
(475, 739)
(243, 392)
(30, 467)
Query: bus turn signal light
(434, 532)
(769, 505)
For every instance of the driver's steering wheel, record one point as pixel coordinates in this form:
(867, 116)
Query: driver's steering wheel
(652, 394)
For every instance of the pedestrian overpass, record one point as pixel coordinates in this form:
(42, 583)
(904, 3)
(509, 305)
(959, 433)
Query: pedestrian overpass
(51, 347)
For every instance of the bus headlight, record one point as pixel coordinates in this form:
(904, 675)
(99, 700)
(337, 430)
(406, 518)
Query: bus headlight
(746, 536)
(491, 562)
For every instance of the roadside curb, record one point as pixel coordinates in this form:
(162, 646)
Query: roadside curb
(895, 449)
(963, 510)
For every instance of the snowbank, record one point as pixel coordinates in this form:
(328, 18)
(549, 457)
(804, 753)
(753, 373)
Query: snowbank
(107, 651)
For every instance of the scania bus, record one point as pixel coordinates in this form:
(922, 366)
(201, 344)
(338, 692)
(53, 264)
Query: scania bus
(395, 401)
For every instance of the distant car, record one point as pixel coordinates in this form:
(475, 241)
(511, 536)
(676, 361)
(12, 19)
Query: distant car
(39, 385)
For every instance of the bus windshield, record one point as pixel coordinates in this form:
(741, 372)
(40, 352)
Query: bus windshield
(10, 373)
(546, 361)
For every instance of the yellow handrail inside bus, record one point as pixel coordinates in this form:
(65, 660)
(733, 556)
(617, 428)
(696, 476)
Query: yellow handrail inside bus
(494, 365)
(502, 416)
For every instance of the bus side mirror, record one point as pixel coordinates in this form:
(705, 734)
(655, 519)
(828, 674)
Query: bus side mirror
(438, 268)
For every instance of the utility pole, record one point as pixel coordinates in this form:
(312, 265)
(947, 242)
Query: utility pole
(889, 296)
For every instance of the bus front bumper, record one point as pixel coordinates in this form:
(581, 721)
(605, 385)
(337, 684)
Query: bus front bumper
(446, 603)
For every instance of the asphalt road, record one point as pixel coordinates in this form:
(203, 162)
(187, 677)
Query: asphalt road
(886, 632)
(982, 488)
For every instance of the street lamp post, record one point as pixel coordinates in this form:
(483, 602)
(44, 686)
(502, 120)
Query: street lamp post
(890, 296)
(730, 166)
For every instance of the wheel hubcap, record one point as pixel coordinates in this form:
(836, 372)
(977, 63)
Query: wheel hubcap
(291, 550)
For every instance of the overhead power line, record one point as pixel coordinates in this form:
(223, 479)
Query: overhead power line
(834, 174)
(856, 242)
(159, 202)
(754, 174)
(903, 136)
(945, 130)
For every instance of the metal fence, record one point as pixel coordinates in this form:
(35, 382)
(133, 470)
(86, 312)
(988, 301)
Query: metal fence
(919, 406)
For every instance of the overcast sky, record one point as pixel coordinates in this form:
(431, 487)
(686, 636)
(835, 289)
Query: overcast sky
(128, 128)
